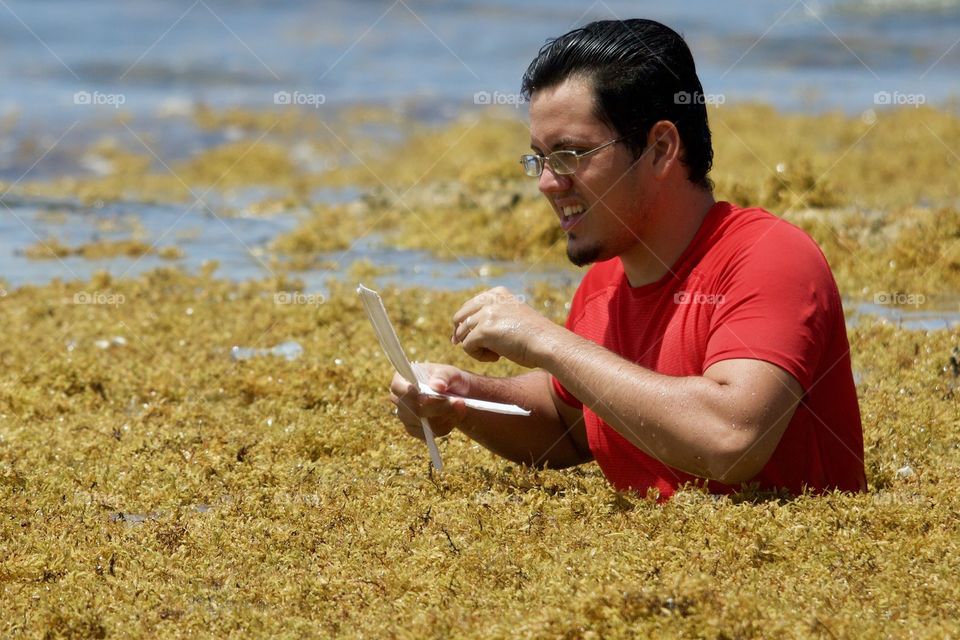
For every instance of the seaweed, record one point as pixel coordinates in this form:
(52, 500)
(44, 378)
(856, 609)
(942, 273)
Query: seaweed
(281, 497)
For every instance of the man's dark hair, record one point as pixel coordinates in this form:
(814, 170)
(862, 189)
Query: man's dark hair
(642, 72)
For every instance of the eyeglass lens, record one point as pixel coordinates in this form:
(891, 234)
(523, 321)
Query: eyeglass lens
(562, 163)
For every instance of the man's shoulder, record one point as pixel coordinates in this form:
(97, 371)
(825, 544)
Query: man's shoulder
(753, 233)
(762, 252)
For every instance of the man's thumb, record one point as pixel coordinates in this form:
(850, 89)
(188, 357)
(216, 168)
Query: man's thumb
(449, 382)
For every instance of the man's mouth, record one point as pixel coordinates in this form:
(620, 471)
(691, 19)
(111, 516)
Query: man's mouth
(571, 215)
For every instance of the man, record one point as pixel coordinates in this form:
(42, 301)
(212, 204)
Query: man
(707, 342)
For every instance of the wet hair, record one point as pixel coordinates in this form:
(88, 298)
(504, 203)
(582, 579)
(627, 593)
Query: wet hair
(641, 72)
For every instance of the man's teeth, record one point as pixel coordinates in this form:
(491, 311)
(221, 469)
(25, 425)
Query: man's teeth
(572, 211)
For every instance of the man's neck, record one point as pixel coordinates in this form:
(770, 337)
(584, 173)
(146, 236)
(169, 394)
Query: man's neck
(666, 237)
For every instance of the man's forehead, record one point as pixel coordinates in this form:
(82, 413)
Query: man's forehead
(564, 114)
(572, 97)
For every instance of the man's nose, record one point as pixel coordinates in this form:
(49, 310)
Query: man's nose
(551, 182)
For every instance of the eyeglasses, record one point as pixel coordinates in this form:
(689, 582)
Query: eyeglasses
(563, 162)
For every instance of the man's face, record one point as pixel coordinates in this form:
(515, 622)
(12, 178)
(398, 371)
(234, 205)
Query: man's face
(600, 206)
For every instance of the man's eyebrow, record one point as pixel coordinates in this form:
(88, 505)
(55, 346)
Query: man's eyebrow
(562, 143)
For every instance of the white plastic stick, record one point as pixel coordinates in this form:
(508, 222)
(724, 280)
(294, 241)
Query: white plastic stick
(414, 373)
(391, 346)
(431, 445)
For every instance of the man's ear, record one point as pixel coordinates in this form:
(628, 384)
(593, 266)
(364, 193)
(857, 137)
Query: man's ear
(663, 145)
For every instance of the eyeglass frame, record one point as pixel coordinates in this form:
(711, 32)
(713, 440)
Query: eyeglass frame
(542, 159)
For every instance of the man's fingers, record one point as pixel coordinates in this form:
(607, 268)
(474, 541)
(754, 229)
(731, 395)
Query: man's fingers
(408, 417)
(399, 385)
(443, 412)
(410, 408)
(469, 308)
(480, 353)
(479, 301)
(462, 330)
(441, 417)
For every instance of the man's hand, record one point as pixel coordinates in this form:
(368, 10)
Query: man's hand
(498, 324)
(444, 413)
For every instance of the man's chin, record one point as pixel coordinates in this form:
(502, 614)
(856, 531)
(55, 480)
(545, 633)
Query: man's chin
(582, 256)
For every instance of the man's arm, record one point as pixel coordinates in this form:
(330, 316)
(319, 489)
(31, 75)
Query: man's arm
(723, 425)
(552, 435)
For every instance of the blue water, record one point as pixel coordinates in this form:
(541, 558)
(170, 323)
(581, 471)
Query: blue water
(239, 245)
(154, 60)
(801, 54)
(160, 58)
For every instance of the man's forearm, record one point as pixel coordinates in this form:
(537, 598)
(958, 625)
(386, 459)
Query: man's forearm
(677, 420)
(723, 423)
(540, 439)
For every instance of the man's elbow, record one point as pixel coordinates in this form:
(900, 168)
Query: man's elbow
(560, 461)
(738, 460)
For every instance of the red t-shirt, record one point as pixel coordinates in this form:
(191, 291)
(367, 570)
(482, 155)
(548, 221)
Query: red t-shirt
(750, 285)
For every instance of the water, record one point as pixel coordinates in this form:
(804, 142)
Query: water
(159, 53)
(160, 58)
(239, 244)
(930, 316)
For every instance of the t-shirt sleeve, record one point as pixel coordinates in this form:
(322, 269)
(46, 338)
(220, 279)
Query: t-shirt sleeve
(563, 394)
(778, 300)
